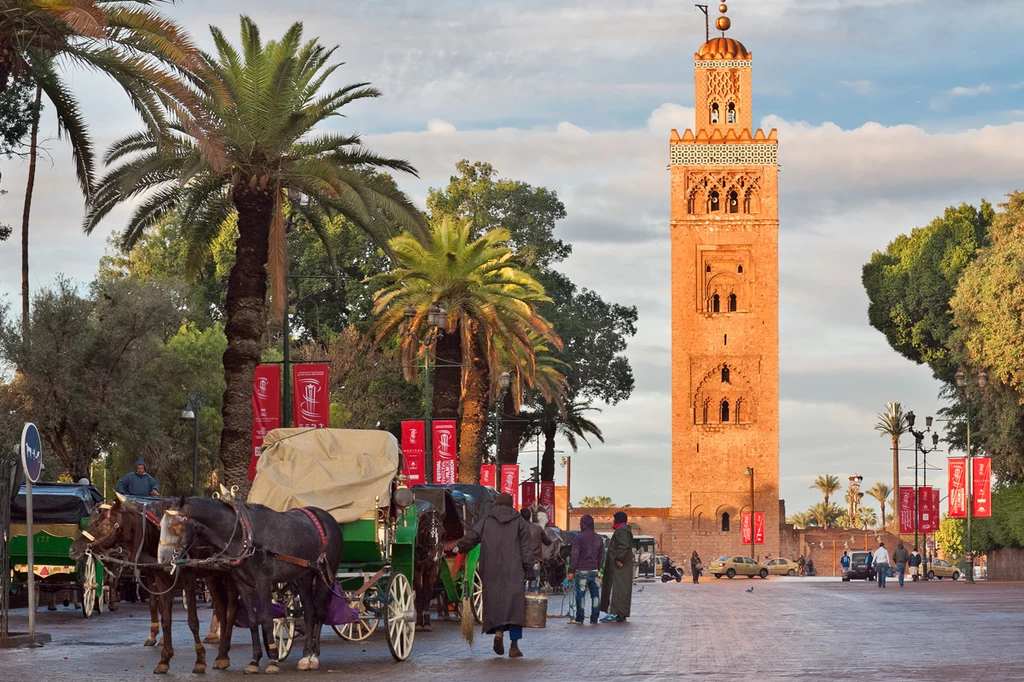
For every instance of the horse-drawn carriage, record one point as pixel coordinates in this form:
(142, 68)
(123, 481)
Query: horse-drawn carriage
(354, 476)
(58, 513)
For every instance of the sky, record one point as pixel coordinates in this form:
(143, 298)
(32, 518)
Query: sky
(887, 112)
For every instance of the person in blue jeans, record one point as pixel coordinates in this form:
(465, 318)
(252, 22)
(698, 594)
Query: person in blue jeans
(881, 563)
(584, 562)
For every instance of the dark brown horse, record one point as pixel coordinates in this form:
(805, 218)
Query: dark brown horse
(429, 553)
(125, 535)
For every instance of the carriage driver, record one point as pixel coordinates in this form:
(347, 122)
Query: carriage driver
(138, 482)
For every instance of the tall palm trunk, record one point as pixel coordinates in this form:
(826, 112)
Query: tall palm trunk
(246, 321)
(474, 412)
(895, 480)
(511, 432)
(33, 152)
(446, 375)
(547, 460)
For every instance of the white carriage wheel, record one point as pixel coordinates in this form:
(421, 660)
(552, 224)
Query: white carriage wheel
(284, 636)
(400, 631)
(89, 586)
(477, 596)
(362, 628)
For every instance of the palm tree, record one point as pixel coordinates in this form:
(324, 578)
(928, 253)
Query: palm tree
(827, 484)
(566, 418)
(120, 38)
(275, 99)
(867, 518)
(547, 385)
(491, 309)
(825, 514)
(595, 501)
(893, 423)
(881, 492)
(800, 520)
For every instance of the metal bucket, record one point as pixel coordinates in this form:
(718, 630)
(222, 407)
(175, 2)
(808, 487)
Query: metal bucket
(536, 610)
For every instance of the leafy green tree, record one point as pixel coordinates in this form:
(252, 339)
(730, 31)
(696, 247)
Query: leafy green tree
(951, 536)
(276, 99)
(491, 308)
(881, 492)
(828, 485)
(596, 502)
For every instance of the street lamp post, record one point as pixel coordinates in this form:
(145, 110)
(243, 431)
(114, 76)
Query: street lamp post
(437, 318)
(961, 384)
(503, 384)
(191, 413)
(924, 484)
(918, 439)
(750, 472)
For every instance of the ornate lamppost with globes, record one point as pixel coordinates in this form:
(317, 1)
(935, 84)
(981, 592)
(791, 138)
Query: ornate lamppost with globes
(437, 318)
(966, 393)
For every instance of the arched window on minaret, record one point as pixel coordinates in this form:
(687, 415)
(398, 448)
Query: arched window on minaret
(725, 375)
(713, 201)
(734, 202)
(739, 269)
(732, 303)
(707, 268)
(725, 521)
(731, 113)
(725, 411)
(716, 304)
(714, 112)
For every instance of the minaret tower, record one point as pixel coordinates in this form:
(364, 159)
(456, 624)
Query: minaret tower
(725, 309)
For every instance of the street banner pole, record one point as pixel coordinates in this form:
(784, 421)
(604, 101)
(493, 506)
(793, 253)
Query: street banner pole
(32, 461)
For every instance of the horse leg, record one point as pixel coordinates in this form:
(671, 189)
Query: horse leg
(266, 589)
(309, 614)
(249, 599)
(225, 614)
(193, 624)
(166, 606)
(322, 594)
(154, 623)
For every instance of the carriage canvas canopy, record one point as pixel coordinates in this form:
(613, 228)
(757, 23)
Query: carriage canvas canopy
(343, 471)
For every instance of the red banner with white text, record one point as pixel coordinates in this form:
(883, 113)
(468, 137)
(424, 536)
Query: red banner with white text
(445, 452)
(510, 482)
(547, 499)
(758, 528)
(489, 475)
(266, 409)
(746, 529)
(529, 495)
(957, 487)
(311, 396)
(414, 451)
(981, 486)
(928, 508)
(907, 509)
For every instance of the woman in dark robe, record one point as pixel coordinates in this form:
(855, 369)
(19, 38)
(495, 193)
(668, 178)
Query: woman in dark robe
(695, 566)
(506, 558)
(617, 585)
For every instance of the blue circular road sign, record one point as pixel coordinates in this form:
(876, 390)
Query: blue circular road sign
(31, 452)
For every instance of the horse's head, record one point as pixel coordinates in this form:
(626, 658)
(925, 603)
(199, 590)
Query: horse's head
(102, 532)
(175, 534)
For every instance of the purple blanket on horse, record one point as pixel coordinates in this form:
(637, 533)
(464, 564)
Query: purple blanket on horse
(338, 610)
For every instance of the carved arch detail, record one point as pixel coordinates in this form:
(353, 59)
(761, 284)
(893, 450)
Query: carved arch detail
(712, 393)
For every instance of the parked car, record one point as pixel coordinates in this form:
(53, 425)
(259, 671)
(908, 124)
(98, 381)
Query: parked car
(942, 569)
(732, 566)
(781, 567)
(859, 570)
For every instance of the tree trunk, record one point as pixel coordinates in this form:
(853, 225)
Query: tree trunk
(447, 376)
(29, 188)
(547, 460)
(246, 320)
(511, 432)
(474, 413)
(895, 479)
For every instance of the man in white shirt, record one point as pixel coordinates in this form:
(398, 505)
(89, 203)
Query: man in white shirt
(881, 563)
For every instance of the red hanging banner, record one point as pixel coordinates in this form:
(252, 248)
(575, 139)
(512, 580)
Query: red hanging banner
(981, 486)
(957, 487)
(907, 509)
(488, 475)
(529, 496)
(746, 529)
(414, 451)
(311, 396)
(445, 452)
(510, 482)
(758, 528)
(547, 499)
(928, 521)
(266, 409)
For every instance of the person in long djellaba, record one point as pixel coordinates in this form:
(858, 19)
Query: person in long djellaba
(617, 585)
(506, 561)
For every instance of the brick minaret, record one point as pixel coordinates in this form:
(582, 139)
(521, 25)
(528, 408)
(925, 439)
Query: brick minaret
(725, 311)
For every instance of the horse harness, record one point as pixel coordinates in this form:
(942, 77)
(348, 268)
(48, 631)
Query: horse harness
(320, 563)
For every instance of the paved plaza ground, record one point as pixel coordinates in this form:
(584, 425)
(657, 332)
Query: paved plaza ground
(786, 629)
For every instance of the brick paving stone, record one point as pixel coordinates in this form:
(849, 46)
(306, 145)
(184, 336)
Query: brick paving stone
(786, 629)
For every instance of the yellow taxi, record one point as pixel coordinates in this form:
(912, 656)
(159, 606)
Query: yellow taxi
(732, 566)
(942, 569)
(781, 567)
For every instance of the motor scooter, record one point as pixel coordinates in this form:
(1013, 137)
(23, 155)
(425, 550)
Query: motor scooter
(670, 571)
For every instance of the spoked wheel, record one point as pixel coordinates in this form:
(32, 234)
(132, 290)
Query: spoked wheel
(401, 624)
(90, 587)
(367, 623)
(477, 597)
(284, 628)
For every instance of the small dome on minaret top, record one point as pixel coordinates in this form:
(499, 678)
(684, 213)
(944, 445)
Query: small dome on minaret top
(722, 47)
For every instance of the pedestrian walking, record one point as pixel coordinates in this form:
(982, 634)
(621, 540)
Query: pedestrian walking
(881, 562)
(915, 565)
(506, 556)
(868, 560)
(584, 563)
(696, 566)
(539, 539)
(844, 561)
(900, 557)
(617, 586)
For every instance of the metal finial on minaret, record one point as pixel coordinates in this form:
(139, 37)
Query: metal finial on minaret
(707, 22)
(723, 23)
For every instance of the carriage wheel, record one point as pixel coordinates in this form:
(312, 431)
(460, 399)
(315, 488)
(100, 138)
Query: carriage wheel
(284, 636)
(365, 626)
(401, 625)
(89, 586)
(477, 598)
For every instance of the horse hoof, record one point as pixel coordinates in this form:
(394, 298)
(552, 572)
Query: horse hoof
(199, 669)
(161, 669)
(314, 663)
(212, 639)
(221, 664)
(150, 642)
(272, 669)
(303, 663)
(252, 669)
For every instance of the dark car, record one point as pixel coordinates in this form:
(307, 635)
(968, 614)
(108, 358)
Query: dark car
(859, 570)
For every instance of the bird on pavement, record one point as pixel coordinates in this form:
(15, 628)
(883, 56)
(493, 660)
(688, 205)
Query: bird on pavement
(751, 589)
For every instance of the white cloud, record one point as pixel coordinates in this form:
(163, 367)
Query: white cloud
(436, 125)
(861, 87)
(961, 91)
